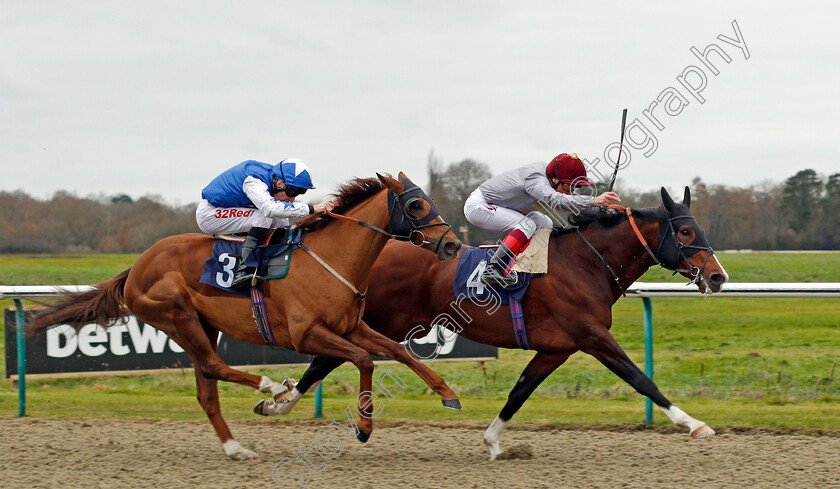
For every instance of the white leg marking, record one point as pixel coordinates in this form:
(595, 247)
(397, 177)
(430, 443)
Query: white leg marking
(235, 451)
(316, 384)
(276, 389)
(273, 408)
(492, 436)
(284, 408)
(697, 428)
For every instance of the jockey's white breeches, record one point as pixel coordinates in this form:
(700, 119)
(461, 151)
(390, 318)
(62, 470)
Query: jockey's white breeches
(494, 218)
(229, 220)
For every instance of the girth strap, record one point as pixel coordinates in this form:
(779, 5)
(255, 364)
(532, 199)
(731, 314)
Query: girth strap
(518, 324)
(359, 295)
(261, 316)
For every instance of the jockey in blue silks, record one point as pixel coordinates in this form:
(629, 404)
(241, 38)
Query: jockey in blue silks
(255, 197)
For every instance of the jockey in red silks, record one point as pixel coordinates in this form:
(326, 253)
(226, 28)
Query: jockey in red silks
(506, 202)
(255, 197)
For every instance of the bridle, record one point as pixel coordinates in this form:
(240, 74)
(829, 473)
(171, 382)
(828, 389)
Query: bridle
(679, 249)
(696, 273)
(407, 222)
(404, 226)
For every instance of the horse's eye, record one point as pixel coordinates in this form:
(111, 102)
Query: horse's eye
(686, 232)
(415, 206)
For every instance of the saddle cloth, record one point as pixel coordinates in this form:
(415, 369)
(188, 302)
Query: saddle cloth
(467, 279)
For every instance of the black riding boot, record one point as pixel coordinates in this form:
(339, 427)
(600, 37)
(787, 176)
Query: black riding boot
(243, 276)
(494, 273)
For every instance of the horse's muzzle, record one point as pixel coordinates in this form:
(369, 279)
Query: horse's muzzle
(449, 250)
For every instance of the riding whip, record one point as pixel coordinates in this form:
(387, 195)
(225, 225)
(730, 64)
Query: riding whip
(620, 149)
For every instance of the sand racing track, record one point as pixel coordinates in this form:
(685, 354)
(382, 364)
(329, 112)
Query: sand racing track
(100, 453)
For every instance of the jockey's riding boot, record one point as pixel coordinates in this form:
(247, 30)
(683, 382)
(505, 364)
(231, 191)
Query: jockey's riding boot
(496, 270)
(243, 276)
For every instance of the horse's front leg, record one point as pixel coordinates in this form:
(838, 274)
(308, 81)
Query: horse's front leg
(200, 344)
(601, 345)
(378, 344)
(319, 340)
(538, 369)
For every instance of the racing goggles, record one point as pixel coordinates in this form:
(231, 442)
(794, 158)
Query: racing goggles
(293, 191)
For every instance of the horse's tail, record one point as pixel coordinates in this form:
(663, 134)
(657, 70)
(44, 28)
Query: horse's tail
(104, 305)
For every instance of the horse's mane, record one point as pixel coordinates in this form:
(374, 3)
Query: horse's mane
(348, 196)
(609, 218)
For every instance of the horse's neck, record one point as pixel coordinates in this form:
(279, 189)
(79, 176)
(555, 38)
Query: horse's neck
(351, 249)
(624, 252)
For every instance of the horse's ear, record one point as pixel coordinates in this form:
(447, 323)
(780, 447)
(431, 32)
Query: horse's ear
(393, 185)
(667, 200)
(687, 198)
(402, 176)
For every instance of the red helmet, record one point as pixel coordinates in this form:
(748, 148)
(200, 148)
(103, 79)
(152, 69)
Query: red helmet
(568, 169)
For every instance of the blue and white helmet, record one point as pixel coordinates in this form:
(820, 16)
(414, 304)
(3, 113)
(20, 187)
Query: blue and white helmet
(294, 172)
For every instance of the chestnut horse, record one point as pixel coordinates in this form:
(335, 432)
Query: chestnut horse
(314, 310)
(566, 310)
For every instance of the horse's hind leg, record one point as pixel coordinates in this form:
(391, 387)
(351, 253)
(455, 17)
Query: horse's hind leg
(379, 344)
(207, 392)
(603, 346)
(200, 344)
(208, 396)
(538, 369)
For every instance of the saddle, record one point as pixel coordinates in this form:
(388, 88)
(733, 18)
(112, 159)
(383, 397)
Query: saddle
(534, 259)
(272, 260)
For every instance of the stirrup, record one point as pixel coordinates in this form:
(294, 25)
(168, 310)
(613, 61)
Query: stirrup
(492, 276)
(243, 279)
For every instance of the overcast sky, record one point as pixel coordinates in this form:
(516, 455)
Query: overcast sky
(159, 97)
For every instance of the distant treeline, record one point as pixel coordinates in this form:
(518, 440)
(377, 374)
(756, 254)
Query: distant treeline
(69, 224)
(803, 212)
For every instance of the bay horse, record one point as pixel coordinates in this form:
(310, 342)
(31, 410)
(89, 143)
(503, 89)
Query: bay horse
(310, 310)
(567, 310)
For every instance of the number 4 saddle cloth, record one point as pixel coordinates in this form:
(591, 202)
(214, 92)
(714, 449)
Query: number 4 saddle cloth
(272, 260)
(533, 261)
(468, 282)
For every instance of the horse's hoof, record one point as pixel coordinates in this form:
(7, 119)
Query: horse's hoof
(703, 432)
(453, 404)
(258, 408)
(235, 451)
(362, 435)
(494, 449)
(245, 455)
